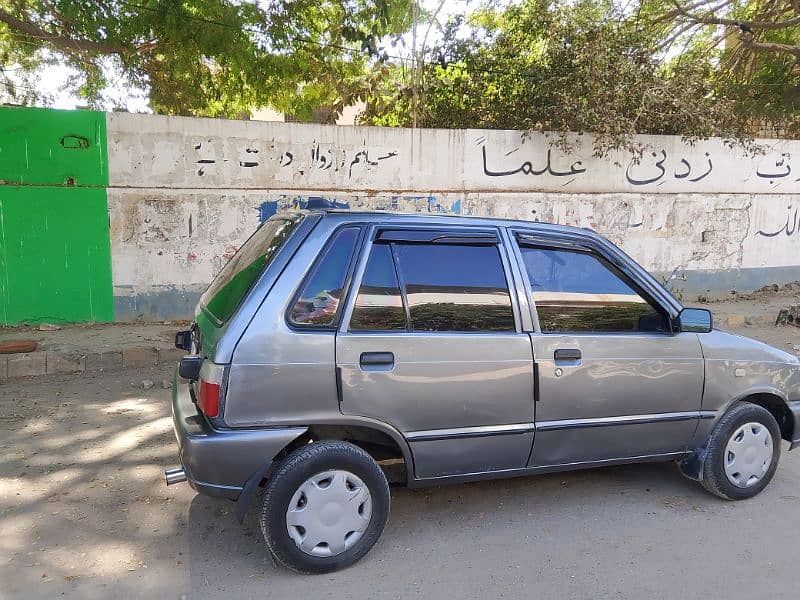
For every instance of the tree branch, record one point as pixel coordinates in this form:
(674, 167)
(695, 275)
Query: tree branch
(710, 19)
(60, 41)
(148, 46)
(686, 7)
(773, 47)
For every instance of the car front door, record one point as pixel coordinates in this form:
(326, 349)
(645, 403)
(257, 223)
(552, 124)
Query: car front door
(431, 344)
(613, 381)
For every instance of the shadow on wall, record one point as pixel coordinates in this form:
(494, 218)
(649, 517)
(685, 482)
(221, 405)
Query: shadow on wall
(162, 303)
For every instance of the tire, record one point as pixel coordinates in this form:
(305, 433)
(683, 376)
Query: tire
(753, 466)
(332, 486)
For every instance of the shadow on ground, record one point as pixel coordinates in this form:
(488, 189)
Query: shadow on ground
(84, 513)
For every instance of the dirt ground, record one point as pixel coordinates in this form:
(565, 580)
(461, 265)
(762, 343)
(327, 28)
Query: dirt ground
(84, 513)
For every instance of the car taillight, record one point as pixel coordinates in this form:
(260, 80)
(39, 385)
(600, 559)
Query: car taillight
(211, 375)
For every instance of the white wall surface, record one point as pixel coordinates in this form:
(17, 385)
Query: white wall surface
(184, 193)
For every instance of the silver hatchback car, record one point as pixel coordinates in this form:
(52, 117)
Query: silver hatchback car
(337, 347)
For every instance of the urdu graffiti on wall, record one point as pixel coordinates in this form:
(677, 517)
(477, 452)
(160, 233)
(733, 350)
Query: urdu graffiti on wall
(316, 157)
(655, 167)
(790, 227)
(655, 171)
(527, 167)
(637, 172)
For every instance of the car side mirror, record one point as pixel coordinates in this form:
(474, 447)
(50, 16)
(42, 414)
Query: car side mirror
(697, 320)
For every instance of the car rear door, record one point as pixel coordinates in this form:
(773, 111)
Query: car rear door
(613, 381)
(431, 344)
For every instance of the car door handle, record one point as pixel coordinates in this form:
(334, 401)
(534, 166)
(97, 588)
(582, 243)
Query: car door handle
(376, 360)
(567, 354)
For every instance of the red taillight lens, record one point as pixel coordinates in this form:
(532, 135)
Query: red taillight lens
(208, 398)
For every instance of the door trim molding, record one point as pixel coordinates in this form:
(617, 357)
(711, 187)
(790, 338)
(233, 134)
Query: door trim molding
(558, 468)
(625, 420)
(430, 435)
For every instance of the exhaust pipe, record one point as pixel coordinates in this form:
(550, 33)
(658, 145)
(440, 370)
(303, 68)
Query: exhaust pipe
(173, 476)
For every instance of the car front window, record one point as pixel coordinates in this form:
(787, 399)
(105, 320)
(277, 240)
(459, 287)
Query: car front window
(577, 291)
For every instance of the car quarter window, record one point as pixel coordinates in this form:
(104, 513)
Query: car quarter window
(318, 302)
(452, 287)
(577, 291)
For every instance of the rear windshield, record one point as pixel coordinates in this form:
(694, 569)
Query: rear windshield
(236, 278)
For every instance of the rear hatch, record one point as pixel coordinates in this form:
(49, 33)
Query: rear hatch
(223, 310)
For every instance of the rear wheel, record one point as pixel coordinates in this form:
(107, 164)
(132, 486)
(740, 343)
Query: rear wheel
(743, 453)
(324, 507)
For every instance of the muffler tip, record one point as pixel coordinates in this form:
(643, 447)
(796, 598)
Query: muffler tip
(173, 476)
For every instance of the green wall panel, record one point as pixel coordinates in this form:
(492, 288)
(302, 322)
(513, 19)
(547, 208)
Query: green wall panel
(53, 147)
(55, 257)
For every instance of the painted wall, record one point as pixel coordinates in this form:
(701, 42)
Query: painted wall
(55, 261)
(124, 216)
(186, 192)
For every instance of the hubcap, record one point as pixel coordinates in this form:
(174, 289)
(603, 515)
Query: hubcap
(329, 513)
(748, 455)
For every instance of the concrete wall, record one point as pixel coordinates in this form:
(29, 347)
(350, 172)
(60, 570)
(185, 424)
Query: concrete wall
(184, 193)
(162, 203)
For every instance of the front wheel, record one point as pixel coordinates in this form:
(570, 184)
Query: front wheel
(324, 507)
(743, 453)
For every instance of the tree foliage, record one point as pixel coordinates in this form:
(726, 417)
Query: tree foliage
(209, 57)
(586, 66)
(696, 68)
(756, 46)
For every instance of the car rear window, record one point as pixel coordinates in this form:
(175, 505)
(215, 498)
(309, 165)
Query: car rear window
(230, 286)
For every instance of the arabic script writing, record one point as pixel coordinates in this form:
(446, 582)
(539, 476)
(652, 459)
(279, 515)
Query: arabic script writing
(661, 171)
(527, 168)
(789, 228)
(320, 159)
(654, 168)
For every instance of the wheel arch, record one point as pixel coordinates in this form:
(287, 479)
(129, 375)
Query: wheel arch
(770, 400)
(373, 436)
(777, 406)
(380, 441)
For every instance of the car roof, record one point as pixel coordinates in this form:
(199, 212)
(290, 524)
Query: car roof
(451, 219)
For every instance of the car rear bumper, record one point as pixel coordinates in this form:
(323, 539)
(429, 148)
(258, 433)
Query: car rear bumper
(219, 462)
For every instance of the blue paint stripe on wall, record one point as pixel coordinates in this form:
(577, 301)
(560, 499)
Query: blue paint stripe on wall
(269, 207)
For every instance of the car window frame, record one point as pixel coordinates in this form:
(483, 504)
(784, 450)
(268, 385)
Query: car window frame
(356, 289)
(348, 280)
(607, 262)
(374, 230)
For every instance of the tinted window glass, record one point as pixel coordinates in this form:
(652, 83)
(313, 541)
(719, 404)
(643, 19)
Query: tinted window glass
(319, 300)
(455, 288)
(379, 306)
(575, 291)
(236, 278)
